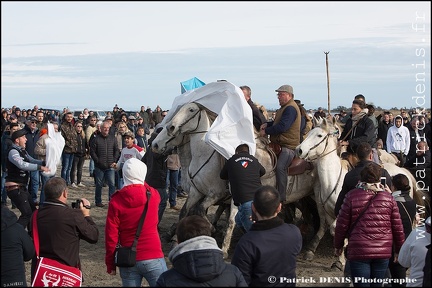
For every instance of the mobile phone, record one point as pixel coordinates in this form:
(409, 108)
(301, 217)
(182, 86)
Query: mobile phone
(383, 181)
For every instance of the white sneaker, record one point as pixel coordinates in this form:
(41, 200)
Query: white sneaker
(74, 185)
(81, 185)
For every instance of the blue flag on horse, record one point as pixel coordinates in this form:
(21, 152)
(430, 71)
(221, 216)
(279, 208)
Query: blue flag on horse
(191, 84)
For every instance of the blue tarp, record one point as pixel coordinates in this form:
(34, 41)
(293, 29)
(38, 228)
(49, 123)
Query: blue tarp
(191, 84)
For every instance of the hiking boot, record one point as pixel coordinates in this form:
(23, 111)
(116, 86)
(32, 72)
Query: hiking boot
(100, 205)
(175, 208)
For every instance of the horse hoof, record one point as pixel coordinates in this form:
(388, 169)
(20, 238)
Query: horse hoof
(337, 266)
(309, 255)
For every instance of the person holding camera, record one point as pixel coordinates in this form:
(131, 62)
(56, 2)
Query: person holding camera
(61, 227)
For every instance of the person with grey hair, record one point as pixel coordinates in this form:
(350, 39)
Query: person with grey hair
(285, 132)
(257, 116)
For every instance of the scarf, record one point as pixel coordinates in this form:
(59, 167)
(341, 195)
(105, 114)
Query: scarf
(375, 187)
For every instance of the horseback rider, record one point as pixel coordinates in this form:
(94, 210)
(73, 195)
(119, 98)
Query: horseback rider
(285, 131)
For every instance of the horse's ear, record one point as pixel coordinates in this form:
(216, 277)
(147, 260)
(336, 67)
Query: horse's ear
(334, 120)
(324, 123)
(315, 121)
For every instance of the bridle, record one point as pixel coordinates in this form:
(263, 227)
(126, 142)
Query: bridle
(326, 138)
(211, 116)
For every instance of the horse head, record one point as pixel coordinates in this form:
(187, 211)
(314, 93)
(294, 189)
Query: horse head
(320, 141)
(186, 120)
(164, 142)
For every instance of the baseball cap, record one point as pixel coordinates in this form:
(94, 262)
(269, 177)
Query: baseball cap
(129, 134)
(131, 117)
(31, 118)
(108, 118)
(18, 134)
(285, 88)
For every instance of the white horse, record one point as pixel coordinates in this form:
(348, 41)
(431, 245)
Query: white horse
(320, 147)
(187, 129)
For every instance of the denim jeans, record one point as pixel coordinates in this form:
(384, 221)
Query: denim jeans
(163, 203)
(373, 269)
(67, 161)
(77, 167)
(42, 194)
(24, 202)
(3, 190)
(284, 160)
(173, 183)
(243, 216)
(33, 185)
(100, 177)
(148, 269)
(91, 167)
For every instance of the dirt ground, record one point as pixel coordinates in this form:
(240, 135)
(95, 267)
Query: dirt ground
(316, 273)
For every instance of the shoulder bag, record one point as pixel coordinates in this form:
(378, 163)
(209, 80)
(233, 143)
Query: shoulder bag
(126, 256)
(359, 216)
(50, 272)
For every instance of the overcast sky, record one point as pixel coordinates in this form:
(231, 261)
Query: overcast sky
(98, 54)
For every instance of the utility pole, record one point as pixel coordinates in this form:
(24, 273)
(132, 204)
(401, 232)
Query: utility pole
(328, 83)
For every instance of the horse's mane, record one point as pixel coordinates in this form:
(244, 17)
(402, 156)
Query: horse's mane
(211, 115)
(262, 109)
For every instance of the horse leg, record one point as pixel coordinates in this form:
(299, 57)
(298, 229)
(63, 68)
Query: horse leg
(232, 211)
(193, 198)
(313, 244)
(221, 208)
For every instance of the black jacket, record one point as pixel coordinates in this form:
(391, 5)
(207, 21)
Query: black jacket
(270, 247)
(198, 262)
(244, 174)
(104, 151)
(156, 168)
(32, 138)
(16, 247)
(364, 131)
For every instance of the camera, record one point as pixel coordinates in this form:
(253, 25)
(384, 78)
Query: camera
(76, 204)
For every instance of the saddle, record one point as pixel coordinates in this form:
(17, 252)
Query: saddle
(297, 166)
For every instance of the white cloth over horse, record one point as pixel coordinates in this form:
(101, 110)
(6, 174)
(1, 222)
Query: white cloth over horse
(54, 147)
(234, 123)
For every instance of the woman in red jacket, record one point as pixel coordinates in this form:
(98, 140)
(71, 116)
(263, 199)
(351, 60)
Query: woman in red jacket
(370, 219)
(124, 212)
